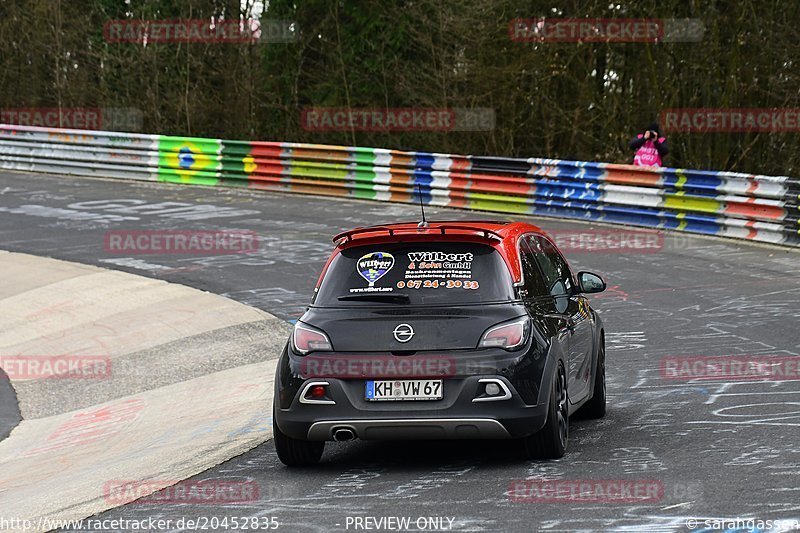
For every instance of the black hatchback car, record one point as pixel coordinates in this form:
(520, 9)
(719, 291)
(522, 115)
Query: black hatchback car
(442, 330)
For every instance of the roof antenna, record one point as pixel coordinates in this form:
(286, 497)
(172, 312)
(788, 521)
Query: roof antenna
(424, 223)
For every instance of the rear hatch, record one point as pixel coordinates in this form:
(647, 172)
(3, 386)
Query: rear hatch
(408, 297)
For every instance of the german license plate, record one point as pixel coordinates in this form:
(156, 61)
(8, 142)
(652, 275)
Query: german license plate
(404, 389)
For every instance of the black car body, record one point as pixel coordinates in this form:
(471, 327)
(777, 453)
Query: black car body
(450, 330)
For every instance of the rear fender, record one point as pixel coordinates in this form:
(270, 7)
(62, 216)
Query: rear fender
(555, 357)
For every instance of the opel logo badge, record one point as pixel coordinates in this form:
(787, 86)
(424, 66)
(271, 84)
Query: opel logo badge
(403, 333)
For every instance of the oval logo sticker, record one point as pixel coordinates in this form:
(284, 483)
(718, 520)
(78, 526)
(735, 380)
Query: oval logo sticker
(373, 266)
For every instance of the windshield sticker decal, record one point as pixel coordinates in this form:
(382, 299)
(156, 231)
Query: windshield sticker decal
(374, 265)
(426, 269)
(416, 257)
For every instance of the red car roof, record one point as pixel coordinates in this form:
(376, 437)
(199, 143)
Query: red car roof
(502, 236)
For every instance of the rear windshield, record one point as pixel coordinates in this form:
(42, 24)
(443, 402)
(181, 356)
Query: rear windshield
(442, 273)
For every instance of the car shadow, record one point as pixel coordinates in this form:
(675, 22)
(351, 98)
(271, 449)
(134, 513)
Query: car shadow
(427, 454)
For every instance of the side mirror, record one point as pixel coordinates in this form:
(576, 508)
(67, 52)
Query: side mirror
(589, 282)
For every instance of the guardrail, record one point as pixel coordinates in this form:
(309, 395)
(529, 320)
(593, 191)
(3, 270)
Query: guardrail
(746, 206)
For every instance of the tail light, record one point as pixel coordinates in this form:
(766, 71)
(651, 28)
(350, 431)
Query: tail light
(508, 335)
(307, 339)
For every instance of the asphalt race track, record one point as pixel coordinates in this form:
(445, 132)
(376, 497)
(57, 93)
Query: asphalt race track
(715, 449)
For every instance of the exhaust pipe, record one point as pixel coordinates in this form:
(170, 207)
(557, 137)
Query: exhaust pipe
(343, 434)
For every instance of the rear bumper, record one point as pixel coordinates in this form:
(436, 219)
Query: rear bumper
(456, 416)
(412, 428)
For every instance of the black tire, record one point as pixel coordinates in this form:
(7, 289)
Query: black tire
(596, 407)
(295, 452)
(551, 441)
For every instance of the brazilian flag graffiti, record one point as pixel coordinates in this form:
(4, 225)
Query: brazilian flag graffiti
(189, 160)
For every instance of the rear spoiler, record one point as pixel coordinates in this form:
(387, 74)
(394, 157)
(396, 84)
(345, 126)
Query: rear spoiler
(347, 236)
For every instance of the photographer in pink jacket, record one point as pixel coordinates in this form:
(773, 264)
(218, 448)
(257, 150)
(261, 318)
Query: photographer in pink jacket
(650, 147)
